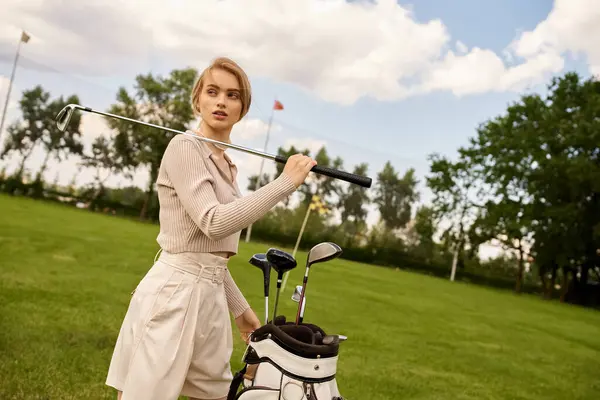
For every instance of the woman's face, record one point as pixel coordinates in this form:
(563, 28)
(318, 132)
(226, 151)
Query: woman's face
(220, 100)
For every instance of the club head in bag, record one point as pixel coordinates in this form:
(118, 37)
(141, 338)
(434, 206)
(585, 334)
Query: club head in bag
(321, 252)
(260, 261)
(296, 297)
(329, 339)
(281, 262)
(297, 292)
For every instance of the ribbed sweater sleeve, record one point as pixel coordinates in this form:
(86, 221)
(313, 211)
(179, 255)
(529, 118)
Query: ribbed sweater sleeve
(184, 165)
(236, 302)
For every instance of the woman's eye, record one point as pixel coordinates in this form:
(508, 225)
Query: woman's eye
(234, 95)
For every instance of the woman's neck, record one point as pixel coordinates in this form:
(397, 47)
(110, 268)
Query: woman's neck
(221, 136)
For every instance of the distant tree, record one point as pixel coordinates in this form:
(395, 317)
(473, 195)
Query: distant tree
(158, 100)
(352, 202)
(38, 127)
(60, 145)
(536, 168)
(105, 159)
(19, 141)
(395, 196)
(424, 231)
(454, 206)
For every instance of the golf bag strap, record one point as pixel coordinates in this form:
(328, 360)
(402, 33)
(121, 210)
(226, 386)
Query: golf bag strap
(235, 383)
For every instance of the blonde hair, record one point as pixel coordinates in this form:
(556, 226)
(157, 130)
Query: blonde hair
(230, 66)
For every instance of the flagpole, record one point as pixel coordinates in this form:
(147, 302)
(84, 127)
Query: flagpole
(285, 276)
(315, 204)
(24, 38)
(262, 162)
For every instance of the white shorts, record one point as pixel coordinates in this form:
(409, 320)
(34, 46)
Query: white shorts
(176, 337)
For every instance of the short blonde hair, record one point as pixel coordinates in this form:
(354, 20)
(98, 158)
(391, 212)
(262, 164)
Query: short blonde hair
(231, 66)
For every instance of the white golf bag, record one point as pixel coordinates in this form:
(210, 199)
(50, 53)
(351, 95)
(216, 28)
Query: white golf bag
(285, 361)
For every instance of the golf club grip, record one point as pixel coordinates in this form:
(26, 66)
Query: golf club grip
(363, 181)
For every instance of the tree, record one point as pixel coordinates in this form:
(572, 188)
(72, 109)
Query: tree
(566, 182)
(60, 145)
(352, 200)
(501, 157)
(19, 140)
(395, 196)
(423, 232)
(455, 195)
(104, 158)
(158, 100)
(38, 126)
(537, 167)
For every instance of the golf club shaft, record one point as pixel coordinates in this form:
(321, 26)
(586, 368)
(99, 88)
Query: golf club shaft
(266, 309)
(302, 310)
(277, 297)
(331, 172)
(266, 286)
(302, 296)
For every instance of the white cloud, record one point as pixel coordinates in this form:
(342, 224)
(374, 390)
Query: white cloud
(338, 50)
(461, 47)
(482, 71)
(572, 26)
(252, 128)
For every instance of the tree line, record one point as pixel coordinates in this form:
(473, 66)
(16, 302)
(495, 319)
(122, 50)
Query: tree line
(529, 179)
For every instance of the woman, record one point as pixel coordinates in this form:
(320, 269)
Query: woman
(176, 336)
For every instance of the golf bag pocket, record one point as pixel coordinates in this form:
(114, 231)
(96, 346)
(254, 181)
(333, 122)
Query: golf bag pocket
(267, 375)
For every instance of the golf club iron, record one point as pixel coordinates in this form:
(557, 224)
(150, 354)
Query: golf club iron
(64, 116)
(329, 339)
(281, 262)
(260, 260)
(296, 298)
(321, 252)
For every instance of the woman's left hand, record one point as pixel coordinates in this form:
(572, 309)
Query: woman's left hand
(247, 323)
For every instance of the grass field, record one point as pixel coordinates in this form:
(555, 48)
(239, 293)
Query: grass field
(66, 276)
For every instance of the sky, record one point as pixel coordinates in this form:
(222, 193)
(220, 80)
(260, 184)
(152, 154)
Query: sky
(373, 81)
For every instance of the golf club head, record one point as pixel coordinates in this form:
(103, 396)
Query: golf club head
(297, 293)
(281, 261)
(64, 117)
(260, 260)
(329, 339)
(322, 252)
(296, 298)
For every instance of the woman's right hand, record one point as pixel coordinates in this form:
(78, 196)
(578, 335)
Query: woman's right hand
(297, 168)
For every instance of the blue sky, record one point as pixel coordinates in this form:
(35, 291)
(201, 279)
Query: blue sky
(325, 101)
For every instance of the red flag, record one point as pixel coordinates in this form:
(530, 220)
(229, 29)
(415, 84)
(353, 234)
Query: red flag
(277, 105)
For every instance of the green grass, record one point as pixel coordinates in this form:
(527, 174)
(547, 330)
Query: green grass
(66, 276)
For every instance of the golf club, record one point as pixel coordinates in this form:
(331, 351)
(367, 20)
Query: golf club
(296, 297)
(321, 252)
(64, 116)
(281, 262)
(329, 339)
(260, 260)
